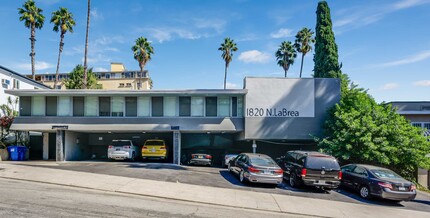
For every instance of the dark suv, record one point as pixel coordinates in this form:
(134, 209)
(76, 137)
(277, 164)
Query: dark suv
(310, 168)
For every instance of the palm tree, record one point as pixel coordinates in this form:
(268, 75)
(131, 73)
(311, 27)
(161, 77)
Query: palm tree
(285, 55)
(142, 51)
(303, 43)
(63, 22)
(227, 48)
(33, 18)
(86, 46)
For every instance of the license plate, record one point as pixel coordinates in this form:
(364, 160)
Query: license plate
(402, 189)
(322, 182)
(200, 156)
(153, 150)
(118, 149)
(267, 171)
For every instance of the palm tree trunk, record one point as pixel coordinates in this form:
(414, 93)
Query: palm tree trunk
(225, 76)
(86, 47)
(32, 54)
(301, 67)
(140, 78)
(285, 72)
(58, 62)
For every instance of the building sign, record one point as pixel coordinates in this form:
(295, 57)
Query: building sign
(279, 97)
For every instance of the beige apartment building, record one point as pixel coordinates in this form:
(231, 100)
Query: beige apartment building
(118, 78)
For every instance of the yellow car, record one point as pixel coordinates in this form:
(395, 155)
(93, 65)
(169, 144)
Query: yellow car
(154, 149)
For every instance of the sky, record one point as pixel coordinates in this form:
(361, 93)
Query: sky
(384, 45)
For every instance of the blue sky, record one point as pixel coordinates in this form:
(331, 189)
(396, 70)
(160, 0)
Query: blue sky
(384, 45)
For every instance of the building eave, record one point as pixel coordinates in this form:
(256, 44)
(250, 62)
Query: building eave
(102, 92)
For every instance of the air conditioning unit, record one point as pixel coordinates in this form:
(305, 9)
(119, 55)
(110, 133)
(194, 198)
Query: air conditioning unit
(5, 82)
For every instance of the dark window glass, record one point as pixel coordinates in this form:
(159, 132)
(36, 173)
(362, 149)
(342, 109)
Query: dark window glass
(78, 106)
(130, 106)
(290, 157)
(263, 161)
(234, 106)
(120, 143)
(51, 106)
(185, 106)
(360, 171)
(25, 106)
(385, 174)
(211, 106)
(322, 162)
(348, 168)
(104, 106)
(157, 106)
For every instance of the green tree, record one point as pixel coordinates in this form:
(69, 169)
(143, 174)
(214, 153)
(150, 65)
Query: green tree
(8, 113)
(227, 48)
(359, 130)
(142, 51)
(86, 45)
(303, 44)
(75, 79)
(33, 18)
(63, 21)
(285, 55)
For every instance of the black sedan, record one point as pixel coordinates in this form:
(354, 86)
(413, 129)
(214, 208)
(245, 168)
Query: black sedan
(371, 181)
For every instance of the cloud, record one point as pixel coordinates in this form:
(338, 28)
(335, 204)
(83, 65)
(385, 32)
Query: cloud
(389, 86)
(167, 34)
(409, 3)
(39, 65)
(408, 60)
(282, 33)
(422, 83)
(96, 14)
(231, 85)
(254, 56)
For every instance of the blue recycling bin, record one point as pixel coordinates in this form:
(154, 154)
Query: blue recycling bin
(13, 153)
(17, 153)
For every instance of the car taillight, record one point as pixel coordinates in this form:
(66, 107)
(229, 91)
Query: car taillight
(253, 170)
(304, 171)
(339, 175)
(163, 147)
(208, 157)
(193, 156)
(385, 185)
(280, 171)
(144, 147)
(413, 187)
(110, 147)
(126, 147)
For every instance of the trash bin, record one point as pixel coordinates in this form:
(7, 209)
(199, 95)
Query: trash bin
(21, 152)
(13, 153)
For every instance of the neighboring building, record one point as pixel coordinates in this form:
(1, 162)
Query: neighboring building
(418, 112)
(271, 115)
(11, 80)
(118, 78)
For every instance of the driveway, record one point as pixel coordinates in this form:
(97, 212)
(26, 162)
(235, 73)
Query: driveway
(220, 177)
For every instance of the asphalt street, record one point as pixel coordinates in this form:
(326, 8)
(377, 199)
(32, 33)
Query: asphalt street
(220, 177)
(32, 199)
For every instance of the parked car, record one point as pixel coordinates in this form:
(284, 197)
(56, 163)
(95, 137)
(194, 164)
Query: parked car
(200, 158)
(123, 150)
(154, 149)
(227, 159)
(257, 168)
(377, 181)
(311, 169)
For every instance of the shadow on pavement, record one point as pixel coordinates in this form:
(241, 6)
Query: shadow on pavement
(421, 202)
(234, 180)
(373, 201)
(157, 166)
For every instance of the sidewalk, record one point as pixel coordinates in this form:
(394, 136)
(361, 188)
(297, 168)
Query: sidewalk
(202, 194)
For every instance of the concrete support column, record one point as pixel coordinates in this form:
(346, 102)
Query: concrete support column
(45, 138)
(59, 145)
(177, 147)
(254, 147)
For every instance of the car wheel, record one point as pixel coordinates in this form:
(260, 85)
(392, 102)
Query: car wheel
(242, 177)
(132, 157)
(293, 180)
(364, 192)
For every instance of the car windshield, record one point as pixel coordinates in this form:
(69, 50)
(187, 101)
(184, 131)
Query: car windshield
(385, 174)
(154, 143)
(120, 143)
(262, 161)
(322, 162)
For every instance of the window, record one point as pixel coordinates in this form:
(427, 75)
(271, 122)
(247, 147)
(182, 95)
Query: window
(360, 171)
(51, 105)
(58, 87)
(223, 106)
(157, 106)
(121, 85)
(104, 106)
(130, 106)
(170, 106)
(117, 106)
(425, 108)
(91, 106)
(64, 104)
(25, 106)
(78, 106)
(427, 126)
(38, 106)
(128, 84)
(197, 106)
(348, 168)
(211, 106)
(234, 106)
(185, 106)
(107, 75)
(143, 106)
(15, 84)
